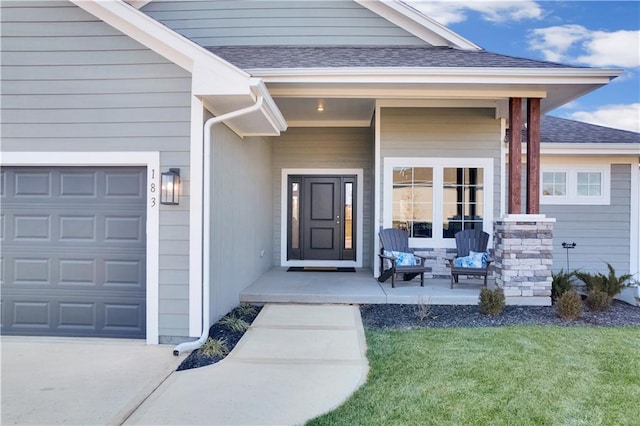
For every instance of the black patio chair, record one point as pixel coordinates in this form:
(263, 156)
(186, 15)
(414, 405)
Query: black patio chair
(467, 241)
(397, 240)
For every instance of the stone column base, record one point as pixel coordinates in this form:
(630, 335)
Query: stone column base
(524, 258)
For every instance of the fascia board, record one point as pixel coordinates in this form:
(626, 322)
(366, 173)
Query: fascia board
(436, 75)
(417, 23)
(157, 37)
(270, 107)
(588, 148)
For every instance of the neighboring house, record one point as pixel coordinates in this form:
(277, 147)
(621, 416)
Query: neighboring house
(333, 119)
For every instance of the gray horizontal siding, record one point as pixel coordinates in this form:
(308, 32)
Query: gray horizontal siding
(73, 83)
(266, 22)
(444, 133)
(241, 216)
(601, 233)
(324, 148)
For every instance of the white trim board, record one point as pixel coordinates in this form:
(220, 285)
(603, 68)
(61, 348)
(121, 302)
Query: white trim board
(359, 173)
(150, 160)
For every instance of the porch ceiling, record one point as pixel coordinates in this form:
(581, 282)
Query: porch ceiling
(353, 103)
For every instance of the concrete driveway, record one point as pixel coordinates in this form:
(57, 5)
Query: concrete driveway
(79, 381)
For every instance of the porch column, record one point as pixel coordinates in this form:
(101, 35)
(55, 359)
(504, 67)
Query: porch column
(533, 156)
(523, 245)
(515, 153)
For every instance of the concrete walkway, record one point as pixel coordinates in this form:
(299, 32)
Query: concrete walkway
(79, 381)
(295, 363)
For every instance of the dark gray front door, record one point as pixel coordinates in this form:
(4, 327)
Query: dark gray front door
(321, 217)
(73, 251)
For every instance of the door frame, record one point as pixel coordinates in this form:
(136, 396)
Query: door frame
(148, 159)
(284, 199)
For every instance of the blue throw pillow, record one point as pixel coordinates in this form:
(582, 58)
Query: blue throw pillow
(474, 260)
(402, 258)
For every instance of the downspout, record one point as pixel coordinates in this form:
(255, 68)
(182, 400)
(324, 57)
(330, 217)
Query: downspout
(206, 226)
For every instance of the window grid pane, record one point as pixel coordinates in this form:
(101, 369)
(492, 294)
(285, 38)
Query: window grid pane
(589, 184)
(463, 199)
(412, 206)
(554, 184)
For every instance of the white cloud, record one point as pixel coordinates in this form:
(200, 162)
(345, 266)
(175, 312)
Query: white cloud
(575, 43)
(625, 117)
(449, 12)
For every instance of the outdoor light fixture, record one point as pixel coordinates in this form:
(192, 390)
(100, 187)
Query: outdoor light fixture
(170, 187)
(568, 246)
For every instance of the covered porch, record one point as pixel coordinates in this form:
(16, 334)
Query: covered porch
(360, 287)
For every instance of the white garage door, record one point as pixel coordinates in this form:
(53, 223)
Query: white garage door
(73, 251)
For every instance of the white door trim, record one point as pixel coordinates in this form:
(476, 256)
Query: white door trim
(148, 159)
(359, 173)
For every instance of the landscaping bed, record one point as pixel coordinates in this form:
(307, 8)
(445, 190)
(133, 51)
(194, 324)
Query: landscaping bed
(219, 331)
(418, 316)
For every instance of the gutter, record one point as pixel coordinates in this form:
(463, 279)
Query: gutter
(206, 231)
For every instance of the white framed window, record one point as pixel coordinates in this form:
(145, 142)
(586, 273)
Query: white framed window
(575, 184)
(433, 198)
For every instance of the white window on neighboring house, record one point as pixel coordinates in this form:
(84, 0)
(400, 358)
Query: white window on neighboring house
(433, 198)
(575, 184)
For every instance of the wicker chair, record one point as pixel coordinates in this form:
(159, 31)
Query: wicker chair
(392, 239)
(467, 241)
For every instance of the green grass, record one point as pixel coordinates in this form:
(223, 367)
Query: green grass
(524, 375)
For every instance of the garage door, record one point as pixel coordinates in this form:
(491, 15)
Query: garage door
(73, 251)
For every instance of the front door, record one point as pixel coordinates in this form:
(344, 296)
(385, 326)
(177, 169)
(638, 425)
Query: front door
(321, 219)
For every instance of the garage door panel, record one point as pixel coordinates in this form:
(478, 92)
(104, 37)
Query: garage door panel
(32, 227)
(30, 314)
(78, 184)
(123, 229)
(32, 184)
(123, 273)
(125, 185)
(74, 251)
(74, 228)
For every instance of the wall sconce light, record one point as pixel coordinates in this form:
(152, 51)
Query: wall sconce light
(170, 187)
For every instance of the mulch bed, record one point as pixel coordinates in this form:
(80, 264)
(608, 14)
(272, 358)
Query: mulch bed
(408, 316)
(218, 331)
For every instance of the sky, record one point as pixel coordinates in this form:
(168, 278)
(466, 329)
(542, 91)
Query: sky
(600, 34)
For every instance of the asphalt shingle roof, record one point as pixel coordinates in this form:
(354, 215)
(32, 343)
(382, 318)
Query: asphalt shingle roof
(561, 130)
(248, 57)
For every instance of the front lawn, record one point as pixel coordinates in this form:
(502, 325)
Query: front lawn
(521, 375)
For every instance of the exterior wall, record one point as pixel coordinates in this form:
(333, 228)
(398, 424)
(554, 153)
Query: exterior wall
(601, 232)
(242, 221)
(317, 148)
(440, 133)
(283, 23)
(74, 84)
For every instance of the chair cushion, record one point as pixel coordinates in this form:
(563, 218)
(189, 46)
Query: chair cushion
(474, 260)
(402, 258)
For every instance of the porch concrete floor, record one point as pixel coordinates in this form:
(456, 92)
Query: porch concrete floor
(360, 287)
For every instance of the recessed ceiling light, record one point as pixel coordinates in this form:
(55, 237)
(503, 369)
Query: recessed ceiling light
(320, 108)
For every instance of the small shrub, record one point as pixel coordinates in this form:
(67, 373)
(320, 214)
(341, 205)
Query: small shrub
(246, 309)
(598, 301)
(234, 323)
(562, 282)
(610, 283)
(214, 348)
(423, 308)
(491, 301)
(569, 305)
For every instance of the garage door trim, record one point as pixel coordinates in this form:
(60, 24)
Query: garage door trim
(148, 159)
